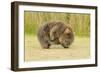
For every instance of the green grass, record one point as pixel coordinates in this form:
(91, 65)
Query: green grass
(80, 23)
(80, 49)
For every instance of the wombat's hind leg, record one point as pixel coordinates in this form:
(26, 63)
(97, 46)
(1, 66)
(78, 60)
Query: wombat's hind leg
(46, 46)
(43, 42)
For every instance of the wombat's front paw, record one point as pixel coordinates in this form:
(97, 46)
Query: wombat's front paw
(65, 46)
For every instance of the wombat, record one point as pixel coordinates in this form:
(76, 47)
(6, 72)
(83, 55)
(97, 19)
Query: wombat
(55, 32)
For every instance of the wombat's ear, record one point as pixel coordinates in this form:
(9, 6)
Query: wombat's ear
(67, 30)
(69, 27)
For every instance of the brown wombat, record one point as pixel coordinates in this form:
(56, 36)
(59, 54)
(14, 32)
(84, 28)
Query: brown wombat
(55, 32)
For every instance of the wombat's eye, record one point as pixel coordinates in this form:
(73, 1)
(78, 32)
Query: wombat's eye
(68, 34)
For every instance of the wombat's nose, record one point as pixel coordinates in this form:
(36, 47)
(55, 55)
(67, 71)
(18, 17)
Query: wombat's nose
(65, 46)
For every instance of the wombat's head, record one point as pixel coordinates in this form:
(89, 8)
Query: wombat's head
(66, 38)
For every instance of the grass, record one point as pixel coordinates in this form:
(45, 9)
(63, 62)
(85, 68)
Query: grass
(79, 22)
(80, 49)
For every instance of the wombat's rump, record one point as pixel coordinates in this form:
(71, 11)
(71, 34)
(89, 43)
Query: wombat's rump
(55, 32)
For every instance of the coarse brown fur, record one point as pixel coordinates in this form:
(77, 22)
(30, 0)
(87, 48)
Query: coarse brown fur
(55, 32)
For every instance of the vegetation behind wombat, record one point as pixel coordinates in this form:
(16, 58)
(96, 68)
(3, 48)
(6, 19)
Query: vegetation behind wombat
(80, 23)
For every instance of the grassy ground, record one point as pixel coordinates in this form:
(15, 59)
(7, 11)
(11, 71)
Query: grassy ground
(80, 49)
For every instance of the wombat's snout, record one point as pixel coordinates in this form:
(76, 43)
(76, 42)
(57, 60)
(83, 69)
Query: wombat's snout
(65, 44)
